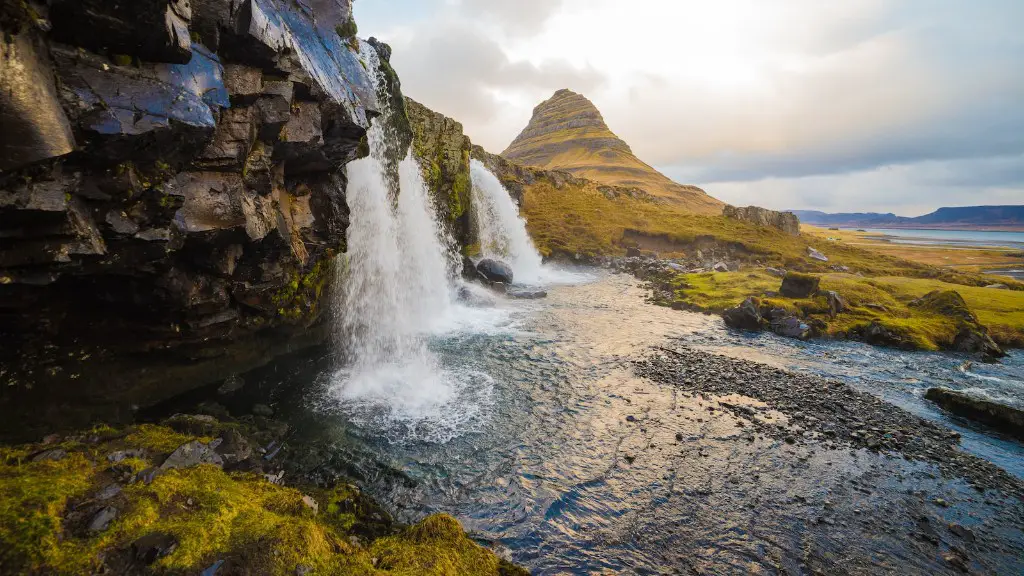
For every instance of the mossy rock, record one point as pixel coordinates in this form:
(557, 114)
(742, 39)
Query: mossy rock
(798, 285)
(183, 521)
(947, 303)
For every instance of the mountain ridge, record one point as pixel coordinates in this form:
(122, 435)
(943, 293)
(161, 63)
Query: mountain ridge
(567, 132)
(964, 217)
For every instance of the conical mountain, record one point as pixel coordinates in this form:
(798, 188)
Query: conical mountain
(567, 132)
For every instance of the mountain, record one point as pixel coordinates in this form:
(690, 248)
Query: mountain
(567, 132)
(951, 217)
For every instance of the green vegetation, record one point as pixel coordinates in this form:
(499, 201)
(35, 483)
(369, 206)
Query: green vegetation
(347, 29)
(300, 298)
(887, 300)
(48, 494)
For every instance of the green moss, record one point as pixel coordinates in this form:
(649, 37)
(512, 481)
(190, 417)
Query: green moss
(460, 192)
(213, 515)
(300, 298)
(347, 29)
(157, 439)
(121, 59)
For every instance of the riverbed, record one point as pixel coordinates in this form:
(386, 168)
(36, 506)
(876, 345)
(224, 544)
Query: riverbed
(534, 427)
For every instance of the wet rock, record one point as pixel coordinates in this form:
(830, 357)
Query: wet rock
(235, 447)
(816, 255)
(32, 122)
(974, 339)
(745, 316)
(797, 285)
(192, 454)
(520, 293)
(153, 30)
(1007, 419)
(152, 547)
(263, 410)
(495, 271)
(102, 519)
(232, 384)
(792, 327)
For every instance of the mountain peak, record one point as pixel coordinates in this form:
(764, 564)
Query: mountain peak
(567, 132)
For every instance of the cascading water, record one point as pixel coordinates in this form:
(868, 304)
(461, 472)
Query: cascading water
(503, 233)
(395, 287)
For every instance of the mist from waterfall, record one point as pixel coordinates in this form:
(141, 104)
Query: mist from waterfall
(395, 286)
(502, 230)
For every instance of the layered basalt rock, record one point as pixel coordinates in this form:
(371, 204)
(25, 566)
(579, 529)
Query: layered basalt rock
(567, 132)
(785, 221)
(171, 194)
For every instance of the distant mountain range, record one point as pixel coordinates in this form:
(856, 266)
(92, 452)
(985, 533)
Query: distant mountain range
(964, 217)
(567, 132)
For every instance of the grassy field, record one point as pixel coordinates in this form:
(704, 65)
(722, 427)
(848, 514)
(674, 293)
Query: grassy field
(581, 219)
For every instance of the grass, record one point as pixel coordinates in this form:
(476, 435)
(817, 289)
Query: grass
(1002, 311)
(211, 514)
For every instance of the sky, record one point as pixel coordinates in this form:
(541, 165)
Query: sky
(862, 105)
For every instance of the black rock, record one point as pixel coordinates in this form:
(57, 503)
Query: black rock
(745, 316)
(1001, 417)
(495, 271)
(153, 547)
(796, 285)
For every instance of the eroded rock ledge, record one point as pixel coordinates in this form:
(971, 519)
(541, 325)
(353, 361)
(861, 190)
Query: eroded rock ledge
(171, 193)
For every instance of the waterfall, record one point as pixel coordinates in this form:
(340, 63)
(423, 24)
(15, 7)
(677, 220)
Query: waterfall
(503, 233)
(394, 288)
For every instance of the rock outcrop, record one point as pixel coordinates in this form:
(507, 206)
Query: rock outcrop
(1007, 419)
(171, 195)
(972, 337)
(785, 221)
(567, 132)
(443, 151)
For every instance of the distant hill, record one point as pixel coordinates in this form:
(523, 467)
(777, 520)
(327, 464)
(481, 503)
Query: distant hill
(567, 132)
(964, 217)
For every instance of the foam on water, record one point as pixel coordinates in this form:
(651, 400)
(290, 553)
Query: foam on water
(396, 289)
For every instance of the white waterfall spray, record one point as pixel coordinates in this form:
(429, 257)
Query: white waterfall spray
(503, 233)
(395, 288)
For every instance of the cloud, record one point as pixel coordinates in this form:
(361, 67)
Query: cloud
(905, 102)
(460, 71)
(518, 17)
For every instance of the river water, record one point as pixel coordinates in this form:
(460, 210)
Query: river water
(526, 444)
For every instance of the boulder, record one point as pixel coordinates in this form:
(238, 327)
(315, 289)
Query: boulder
(1001, 417)
(814, 254)
(152, 30)
(797, 285)
(972, 337)
(998, 286)
(745, 316)
(721, 267)
(495, 271)
(778, 272)
(836, 304)
(792, 327)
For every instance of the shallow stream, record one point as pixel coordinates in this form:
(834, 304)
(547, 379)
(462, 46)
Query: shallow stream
(534, 431)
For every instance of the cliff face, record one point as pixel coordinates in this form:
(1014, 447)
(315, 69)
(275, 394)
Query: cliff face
(442, 150)
(568, 133)
(785, 221)
(171, 192)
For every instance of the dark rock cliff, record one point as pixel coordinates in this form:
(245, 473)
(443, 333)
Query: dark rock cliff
(171, 192)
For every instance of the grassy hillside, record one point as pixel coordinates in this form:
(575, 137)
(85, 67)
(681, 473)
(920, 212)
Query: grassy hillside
(586, 220)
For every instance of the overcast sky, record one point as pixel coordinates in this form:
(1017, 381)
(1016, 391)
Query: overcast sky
(882, 105)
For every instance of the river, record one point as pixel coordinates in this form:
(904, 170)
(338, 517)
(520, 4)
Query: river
(523, 433)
